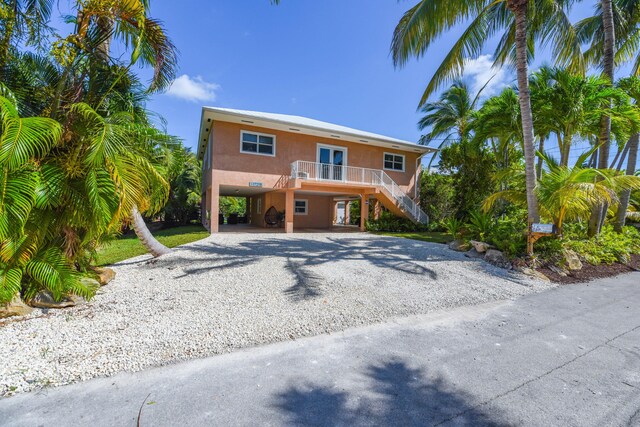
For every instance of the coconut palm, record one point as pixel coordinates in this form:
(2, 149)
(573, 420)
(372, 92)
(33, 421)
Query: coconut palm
(570, 193)
(450, 118)
(524, 22)
(498, 121)
(613, 37)
(571, 104)
(632, 87)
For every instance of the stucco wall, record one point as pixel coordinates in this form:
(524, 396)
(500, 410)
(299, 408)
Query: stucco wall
(290, 147)
(319, 213)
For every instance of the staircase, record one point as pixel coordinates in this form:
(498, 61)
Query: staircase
(392, 196)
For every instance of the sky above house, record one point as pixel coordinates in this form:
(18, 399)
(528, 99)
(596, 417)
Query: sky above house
(328, 60)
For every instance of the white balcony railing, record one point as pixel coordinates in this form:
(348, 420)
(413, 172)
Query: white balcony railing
(313, 171)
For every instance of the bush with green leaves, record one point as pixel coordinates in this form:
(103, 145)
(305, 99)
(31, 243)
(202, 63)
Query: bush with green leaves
(390, 223)
(480, 225)
(607, 247)
(437, 196)
(454, 226)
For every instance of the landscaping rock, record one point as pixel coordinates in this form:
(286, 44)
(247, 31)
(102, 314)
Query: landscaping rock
(105, 275)
(459, 245)
(558, 270)
(481, 247)
(534, 273)
(44, 299)
(572, 260)
(473, 253)
(497, 258)
(15, 307)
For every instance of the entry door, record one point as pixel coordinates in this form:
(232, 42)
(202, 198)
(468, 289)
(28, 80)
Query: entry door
(332, 161)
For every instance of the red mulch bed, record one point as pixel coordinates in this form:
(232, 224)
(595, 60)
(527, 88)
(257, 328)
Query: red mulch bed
(591, 272)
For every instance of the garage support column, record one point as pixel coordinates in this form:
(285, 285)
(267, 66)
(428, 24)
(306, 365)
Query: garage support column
(214, 208)
(347, 213)
(364, 211)
(288, 211)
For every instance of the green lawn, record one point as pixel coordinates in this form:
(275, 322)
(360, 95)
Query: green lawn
(425, 236)
(129, 246)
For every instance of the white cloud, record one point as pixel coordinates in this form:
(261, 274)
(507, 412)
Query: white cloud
(193, 89)
(480, 70)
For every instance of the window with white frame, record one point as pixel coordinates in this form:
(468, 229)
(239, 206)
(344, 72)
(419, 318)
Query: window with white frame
(300, 207)
(259, 205)
(257, 143)
(394, 162)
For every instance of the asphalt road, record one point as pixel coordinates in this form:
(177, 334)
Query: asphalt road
(568, 357)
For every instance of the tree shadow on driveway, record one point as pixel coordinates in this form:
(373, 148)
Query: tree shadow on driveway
(391, 393)
(300, 254)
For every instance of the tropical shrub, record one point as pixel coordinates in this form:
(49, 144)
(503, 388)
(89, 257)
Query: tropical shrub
(480, 225)
(437, 196)
(471, 167)
(607, 247)
(454, 226)
(391, 223)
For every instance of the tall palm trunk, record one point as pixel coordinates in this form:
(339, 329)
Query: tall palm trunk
(154, 247)
(626, 194)
(519, 8)
(600, 211)
(151, 244)
(541, 150)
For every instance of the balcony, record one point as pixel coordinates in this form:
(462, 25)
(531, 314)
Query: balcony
(322, 172)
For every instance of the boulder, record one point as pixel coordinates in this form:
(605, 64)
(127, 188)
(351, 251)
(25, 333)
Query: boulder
(497, 258)
(534, 273)
(105, 275)
(571, 260)
(560, 271)
(473, 253)
(459, 245)
(481, 247)
(44, 299)
(15, 307)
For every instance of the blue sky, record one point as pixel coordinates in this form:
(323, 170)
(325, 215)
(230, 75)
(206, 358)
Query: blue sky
(328, 60)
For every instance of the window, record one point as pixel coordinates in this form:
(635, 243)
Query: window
(257, 143)
(394, 162)
(300, 207)
(259, 205)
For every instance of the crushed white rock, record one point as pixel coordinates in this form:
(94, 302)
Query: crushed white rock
(231, 291)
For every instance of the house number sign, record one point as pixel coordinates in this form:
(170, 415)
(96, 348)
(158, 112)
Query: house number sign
(255, 184)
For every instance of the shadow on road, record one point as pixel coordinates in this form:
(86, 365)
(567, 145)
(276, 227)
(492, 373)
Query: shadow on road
(395, 395)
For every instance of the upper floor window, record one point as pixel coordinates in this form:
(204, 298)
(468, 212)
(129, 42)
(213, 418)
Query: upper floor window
(258, 143)
(394, 162)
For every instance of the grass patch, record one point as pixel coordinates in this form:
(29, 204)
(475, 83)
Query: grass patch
(129, 246)
(424, 236)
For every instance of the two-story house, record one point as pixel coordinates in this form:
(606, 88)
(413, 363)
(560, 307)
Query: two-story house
(308, 169)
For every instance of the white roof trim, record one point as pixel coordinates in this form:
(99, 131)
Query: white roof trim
(301, 125)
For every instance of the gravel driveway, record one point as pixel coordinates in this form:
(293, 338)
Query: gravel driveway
(231, 291)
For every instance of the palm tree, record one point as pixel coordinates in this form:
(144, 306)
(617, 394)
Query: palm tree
(571, 192)
(632, 87)
(130, 23)
(450, 118)
(613, 36)
(524, 22)
(22, 21)
(572, 104)
(498, 121)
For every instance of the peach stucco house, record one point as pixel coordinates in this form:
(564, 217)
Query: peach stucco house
(308, 169)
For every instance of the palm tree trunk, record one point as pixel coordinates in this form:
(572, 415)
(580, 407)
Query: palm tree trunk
(154, 247)
(540, 150)
(599, 213)
(621, 215)
(519, 8)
